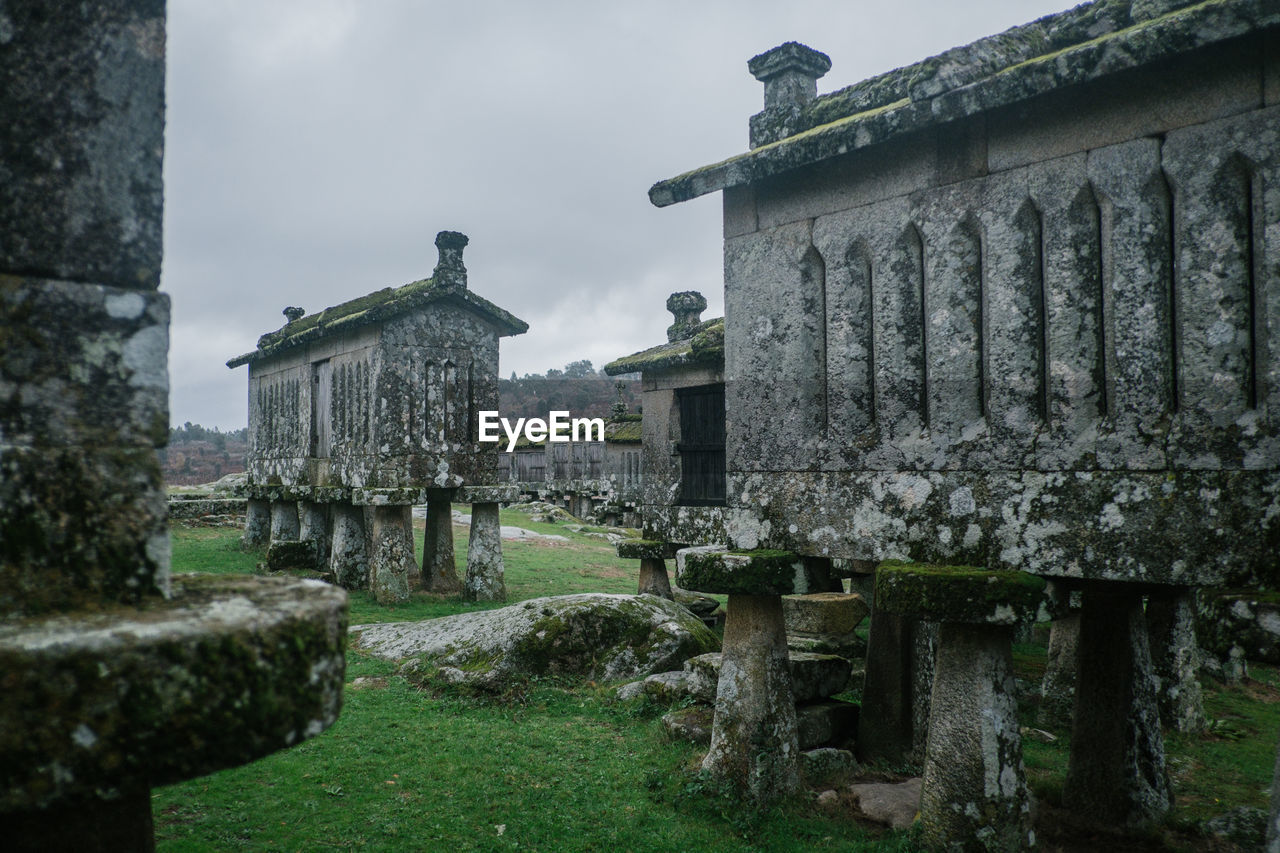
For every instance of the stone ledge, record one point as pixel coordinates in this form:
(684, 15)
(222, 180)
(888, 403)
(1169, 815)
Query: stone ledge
(229, 669)
(743, 572)
(487, 494)
(958, 594)
(641, 549)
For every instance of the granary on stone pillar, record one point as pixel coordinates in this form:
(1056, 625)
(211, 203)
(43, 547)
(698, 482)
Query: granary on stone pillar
(1015, 306)
(362, 410)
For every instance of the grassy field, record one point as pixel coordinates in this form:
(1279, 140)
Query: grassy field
(565, 767)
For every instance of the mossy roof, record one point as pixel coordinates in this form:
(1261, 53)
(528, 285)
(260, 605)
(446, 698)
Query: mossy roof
(1077, 46)
(704, 346)
(378, 307)
(623, 429)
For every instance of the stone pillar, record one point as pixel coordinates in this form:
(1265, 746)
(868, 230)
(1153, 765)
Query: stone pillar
(1175, 657)
(439, 571)
(653, 568)
(973, 795)
(313, 527)
(257, 524)
(116, 674)
(754, 743)
(974, 785)
(1058, 688)
(753, 736)
(284, 521)
(485, 569)
(893, 721)
(349, 547)
(1273, 824)
(1116, 773)
(390, 555)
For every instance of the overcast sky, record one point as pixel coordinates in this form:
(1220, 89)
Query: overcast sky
(315, 147)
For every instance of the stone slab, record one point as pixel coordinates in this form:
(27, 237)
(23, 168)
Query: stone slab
(824, 612)
(487, 494)
(641, 549)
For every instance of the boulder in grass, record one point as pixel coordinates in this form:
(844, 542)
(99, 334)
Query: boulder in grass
(592, 635)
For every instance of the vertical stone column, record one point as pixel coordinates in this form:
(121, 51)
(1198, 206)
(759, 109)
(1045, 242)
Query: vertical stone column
(1116, 773)
(349, 547)
(754, 743)
(390, 555)
(1058, 688)
(439, 571)
(973, 795)
(1175, 657)
(257, 524)
(1273, 824)
(284, 521)
(887, 722)
(313, 527)
(485, 569)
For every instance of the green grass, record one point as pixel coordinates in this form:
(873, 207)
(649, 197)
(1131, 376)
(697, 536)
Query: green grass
(564, 767)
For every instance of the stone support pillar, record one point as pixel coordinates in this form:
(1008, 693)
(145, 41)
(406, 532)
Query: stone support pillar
(653, 568)
(485, 570)
(349, 547)
(390, 554)
(973, 793)
(1116, 773)
(887, 728)
(753, 736)
(439, 571)
(1273, 823)
(1175, 657)
(284, 521)
(313, 527)
(257, 523)
(754, 742)
(1058, 688)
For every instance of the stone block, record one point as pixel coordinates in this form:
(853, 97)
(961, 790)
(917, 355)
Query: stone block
(703, 675)
(83, 154)
(292, 556)
(851, 647)
(691, 724)
(823, 723)
(668, 687)
(487, 494)
(742, 572)
(815, 676)
(1246, 618)
(826, 764)
(823, 612)
(958, 594)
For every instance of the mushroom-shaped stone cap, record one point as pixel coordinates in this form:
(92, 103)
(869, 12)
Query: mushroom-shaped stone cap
(824, 612)
(229, 669)
(687, 307)
(958, 594)
(641, 549)
(293, 313)
(763, 572)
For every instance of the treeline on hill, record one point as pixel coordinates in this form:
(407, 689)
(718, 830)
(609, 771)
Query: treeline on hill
(579, 389)
(197, 455)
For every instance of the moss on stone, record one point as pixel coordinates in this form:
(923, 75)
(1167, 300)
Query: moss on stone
(963, 594)
(705, 345)
(763, 572)
(641, 549)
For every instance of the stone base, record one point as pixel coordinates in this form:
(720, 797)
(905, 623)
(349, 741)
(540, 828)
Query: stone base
(485, 568)
(1058, 688)
(654, 579)
(439, 572)
(101, 705)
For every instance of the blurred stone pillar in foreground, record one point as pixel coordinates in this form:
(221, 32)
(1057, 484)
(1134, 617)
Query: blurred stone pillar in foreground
(117, 677)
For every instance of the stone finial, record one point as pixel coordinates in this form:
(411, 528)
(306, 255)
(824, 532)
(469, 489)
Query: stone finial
(687, 307)
(619, 405)
(450, 270)
(790, 73)
(293, 313)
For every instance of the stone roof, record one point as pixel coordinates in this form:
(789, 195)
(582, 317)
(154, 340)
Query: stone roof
(378, 307)
(704, 346)
(623, 429)
(1083, 44)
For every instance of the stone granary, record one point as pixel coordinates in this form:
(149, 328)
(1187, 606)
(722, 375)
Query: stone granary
(596, 479)
(116, 677)
(374, 405)
(1015, 307)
